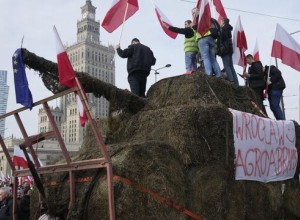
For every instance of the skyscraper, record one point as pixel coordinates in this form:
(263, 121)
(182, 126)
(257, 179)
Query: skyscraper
(3, 98)
(90, 56)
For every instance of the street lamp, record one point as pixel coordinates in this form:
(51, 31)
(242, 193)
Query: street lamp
(155, 70)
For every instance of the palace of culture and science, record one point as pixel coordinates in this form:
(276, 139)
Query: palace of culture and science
(90, 56)
(86, 55)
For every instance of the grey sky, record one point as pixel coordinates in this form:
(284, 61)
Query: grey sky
(35, 18)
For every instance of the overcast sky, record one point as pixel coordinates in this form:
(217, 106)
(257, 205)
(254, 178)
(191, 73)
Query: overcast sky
(34, 19)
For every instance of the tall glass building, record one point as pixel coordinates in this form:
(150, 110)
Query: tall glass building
(3, 99)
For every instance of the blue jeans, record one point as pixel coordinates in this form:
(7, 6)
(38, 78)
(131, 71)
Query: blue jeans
(207, 50)
(190, 61)
(228, 66)
(274, 96)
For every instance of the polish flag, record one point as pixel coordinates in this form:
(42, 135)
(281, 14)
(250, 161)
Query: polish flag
(220, 11)
(256, 52)
(204, 16)
(3, 178)
(9, 178)
(24, 179)
(239, 44)
(286, 48)
(119, 10)
(19, 159)
(162, 18)
(67, 75)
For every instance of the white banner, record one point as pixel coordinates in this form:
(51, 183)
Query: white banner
(264, 148)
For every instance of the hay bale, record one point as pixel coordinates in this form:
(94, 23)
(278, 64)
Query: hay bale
(180, 146)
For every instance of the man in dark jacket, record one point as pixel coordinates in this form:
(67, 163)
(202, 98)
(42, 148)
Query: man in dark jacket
(276, 85)
(256, 78)
(24, 206)
(6, 204)
(140, 60)
(190, 44)
(225, 50)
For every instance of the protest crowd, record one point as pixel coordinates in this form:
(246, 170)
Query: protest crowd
(23, 199)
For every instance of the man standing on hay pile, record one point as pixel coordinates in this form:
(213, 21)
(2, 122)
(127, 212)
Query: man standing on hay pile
(256, 78)
(276, 85)
(140, 60)
(190, 44)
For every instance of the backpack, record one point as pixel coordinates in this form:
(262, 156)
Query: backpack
(215, 29)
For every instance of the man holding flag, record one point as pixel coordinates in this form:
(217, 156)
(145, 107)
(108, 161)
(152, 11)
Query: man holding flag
(256, 78)
(140, 60)
(275, 88)
(206, 42)
(190, 44)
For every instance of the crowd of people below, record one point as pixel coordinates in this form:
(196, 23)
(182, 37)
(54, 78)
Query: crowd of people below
(23, 202)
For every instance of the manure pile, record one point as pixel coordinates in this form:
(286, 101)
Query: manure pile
(178, 146)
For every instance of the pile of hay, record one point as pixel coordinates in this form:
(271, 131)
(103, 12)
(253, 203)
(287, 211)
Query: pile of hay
(180, 146)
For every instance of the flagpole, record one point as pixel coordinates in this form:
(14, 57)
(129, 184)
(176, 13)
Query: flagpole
(123, 22)
(113, 59)
(281, 99)
(22, 41)
(212, 9)
(268, 76)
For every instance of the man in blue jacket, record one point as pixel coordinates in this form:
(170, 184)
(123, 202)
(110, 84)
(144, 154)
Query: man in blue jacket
(140, 60)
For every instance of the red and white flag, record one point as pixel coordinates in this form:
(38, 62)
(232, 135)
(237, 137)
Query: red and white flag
(67, 75)
(239, 44)
(204, 20)
(256, 52)
(20, 162)
(162, 18)
(19, 159)
(3, 178)
(286, 48)
(24, 179)
(119, 10)
(219, 10)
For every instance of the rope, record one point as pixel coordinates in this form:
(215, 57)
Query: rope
(137, 187)
(213, 91)
(157, 197)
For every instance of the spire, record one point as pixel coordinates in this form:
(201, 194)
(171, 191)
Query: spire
(88, 6)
